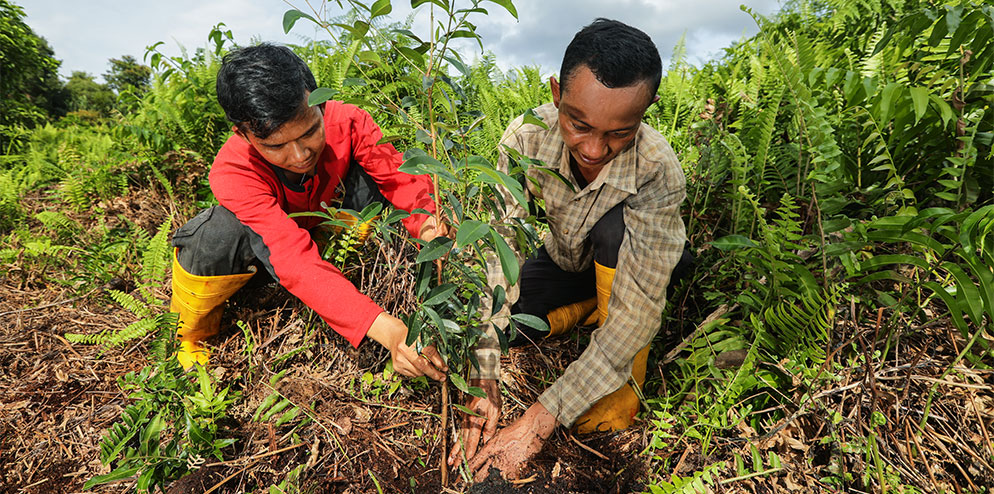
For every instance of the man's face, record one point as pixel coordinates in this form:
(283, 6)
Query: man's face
(295, 146)
(598, 122)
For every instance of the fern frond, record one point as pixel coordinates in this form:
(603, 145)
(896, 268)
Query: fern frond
(801, 329)
(870, 65)
(130, 303)
(87, 339)
(73, 191)
(57, 222)
(155, 260)
(135, 330)
(120, 433)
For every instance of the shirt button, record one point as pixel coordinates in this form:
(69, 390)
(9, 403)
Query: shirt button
(566, 231)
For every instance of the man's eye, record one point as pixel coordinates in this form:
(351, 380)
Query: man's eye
(581, 128)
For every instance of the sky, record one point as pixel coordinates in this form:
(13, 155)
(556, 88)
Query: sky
(86, 34)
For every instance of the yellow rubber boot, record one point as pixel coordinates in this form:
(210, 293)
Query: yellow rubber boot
(199, 300)
(617, 410)
(565, 318)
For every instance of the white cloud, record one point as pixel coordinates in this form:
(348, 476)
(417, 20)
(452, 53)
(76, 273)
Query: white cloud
(85, 34)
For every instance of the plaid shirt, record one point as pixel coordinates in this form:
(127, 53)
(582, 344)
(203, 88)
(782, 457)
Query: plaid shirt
(646, 177)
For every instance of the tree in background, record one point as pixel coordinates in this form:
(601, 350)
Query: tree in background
(88, 98)
(30, 89)
(127, 74)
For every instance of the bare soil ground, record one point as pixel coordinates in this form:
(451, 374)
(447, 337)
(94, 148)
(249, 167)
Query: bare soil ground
(57, 400)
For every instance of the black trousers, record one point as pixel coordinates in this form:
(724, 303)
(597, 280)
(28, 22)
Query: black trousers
(215, 243)
(545, 286)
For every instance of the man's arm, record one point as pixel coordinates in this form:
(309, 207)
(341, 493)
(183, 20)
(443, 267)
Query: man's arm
(654, 240)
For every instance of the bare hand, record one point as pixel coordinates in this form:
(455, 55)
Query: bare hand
(392, 334)
(430, 230)
(513, 446)
(473, 427)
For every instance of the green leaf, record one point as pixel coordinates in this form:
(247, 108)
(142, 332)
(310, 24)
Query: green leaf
(945, 111)
(967, 292)
(508, 262)
(320, 95)
(466, 410)
(732, 242)
(919, 99)
(381, 7)
(292, 16)
(441, 3)
(414, 330)
(531, 321)
(121, 472)
(459, 382)
(435, 249)
(417, 59)
(497, 177)
(395, 216)
(422, 164)
(887, 259)
(955, 310)
(370, 57)
(470, 231)
(530, 117)
(887, 101)
(437, 321)
(477, 392)
(459, 65)
(149, 438)
(388, 139)
(498, 300)
(507, 6)
(440, 294)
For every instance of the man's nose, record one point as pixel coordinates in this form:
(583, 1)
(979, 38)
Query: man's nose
(300, 153)
(595, 148)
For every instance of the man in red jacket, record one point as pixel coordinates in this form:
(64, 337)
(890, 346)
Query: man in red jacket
(287, 157)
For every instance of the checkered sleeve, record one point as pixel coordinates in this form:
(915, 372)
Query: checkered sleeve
(487, 349)
(654, 240)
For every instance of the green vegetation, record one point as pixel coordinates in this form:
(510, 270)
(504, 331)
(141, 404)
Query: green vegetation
(840, 199)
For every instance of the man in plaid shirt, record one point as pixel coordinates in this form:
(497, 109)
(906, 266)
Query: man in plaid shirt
(615, 226)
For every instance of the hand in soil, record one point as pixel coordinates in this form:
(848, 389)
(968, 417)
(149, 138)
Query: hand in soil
(392, 334)
(473, 427)
(513, 446)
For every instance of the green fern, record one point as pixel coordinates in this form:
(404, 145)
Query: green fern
(157, 257)
(151, 321)
(700, 482)
(130, 303)
(121, 433)
(800, 329)
(73, 190)
(276, 405)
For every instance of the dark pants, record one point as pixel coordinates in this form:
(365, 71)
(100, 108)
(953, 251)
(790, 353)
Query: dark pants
(545, 286)
(215, 243)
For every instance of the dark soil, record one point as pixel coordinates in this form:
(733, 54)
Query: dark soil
(58, 399)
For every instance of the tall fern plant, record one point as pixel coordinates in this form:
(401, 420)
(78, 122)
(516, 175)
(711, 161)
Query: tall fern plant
(146, 306)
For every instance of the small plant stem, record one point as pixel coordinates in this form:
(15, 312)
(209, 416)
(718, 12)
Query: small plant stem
(443, 467)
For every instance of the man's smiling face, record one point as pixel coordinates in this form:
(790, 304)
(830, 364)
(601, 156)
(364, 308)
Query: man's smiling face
(598, 122)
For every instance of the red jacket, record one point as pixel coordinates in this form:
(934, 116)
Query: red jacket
(246, 184)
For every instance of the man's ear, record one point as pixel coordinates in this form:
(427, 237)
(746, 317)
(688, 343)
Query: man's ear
(554, 86)
(240, 133)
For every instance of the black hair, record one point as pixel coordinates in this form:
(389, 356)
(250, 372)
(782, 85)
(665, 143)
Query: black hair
(262, 87)
(618, 55)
